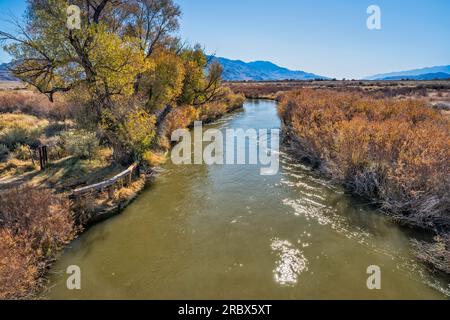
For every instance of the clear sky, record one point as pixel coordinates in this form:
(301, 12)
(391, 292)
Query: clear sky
(326, 37)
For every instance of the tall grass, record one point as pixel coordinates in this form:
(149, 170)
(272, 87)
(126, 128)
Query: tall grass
(33, 103)
(395, 152)
(34, 225)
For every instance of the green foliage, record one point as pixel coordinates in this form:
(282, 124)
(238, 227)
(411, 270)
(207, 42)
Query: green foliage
(80, 143)
(195, 63)
(163, 84)
(17, 136)
(198, 87)
(4, 152)
(139, 129)
(117, 61)
(22, 152)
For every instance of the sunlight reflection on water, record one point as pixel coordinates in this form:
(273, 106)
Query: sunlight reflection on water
(290, 264)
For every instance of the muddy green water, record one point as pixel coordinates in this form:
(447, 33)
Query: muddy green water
(226, 232)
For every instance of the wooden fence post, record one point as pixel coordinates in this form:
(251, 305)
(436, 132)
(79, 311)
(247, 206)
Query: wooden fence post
(43, 157)
(110, 192)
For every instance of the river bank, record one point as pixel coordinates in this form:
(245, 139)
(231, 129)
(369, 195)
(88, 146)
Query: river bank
(290, 236)
(394, 153)
(61, 177)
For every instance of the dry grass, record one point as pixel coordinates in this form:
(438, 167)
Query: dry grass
(34, 226)
(394, 152)
(154, 159)
(10, 120)
(435, 92)
(17, 132)
(33, 103)
(16, 167)
(12, 85)
(435, 254)
(129, 192)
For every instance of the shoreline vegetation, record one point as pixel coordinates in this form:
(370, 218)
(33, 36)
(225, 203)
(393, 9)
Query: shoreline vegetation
(28, 246)
(392, 152)
(435, 92)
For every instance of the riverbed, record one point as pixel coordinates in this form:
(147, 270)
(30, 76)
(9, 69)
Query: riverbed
(227, 232)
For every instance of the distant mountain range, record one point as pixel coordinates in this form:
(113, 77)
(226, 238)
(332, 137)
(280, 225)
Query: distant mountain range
(431, 73)
(4, 73)
(237, 70)
(426, 76)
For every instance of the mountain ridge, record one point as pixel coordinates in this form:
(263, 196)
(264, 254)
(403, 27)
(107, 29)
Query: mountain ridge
(238, 70)
(423, 77)
(5, 75)
(415, 73)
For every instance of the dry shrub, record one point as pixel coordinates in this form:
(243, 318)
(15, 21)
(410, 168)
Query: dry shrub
(129, 192)
(14, 167)
(213, 111)
(231, 99)
(18, 266)
(180, 118)
(33, 103)
(34, 226)
(435, 254)
(392, 151)
(154, 159)
(185, 116)
(254, 90)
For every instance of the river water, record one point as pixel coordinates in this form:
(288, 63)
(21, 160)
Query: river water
(226, 232)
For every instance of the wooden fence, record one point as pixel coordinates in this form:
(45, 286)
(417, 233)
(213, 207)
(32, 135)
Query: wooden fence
(122, 179)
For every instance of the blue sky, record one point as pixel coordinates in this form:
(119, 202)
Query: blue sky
(327, 37)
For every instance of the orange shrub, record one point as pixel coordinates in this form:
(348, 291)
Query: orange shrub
(212, 111)
(18, 266)
(393, 151)
(180, 118)
(33, 103)
(34, 226)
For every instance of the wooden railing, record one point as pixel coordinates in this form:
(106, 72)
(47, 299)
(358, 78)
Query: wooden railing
(122, 179)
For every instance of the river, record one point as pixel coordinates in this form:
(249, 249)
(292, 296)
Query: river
(226, 232)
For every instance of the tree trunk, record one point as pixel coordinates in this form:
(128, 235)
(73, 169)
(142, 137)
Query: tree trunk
(160, 119)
